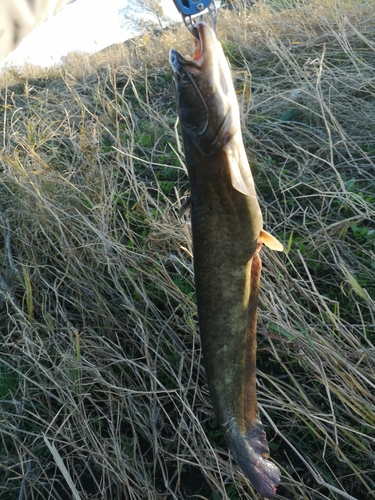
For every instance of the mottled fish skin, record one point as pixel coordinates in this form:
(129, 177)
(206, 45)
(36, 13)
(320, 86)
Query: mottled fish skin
(227, 235)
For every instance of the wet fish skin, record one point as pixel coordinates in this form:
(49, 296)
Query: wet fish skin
(227, 235)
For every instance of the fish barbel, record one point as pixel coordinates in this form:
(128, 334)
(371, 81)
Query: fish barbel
(227, 229)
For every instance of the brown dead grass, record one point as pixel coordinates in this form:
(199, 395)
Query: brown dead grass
(103, 393)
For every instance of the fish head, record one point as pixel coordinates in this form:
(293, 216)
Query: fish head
(205, 94)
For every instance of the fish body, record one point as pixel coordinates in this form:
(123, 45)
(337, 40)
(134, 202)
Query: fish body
(227, 230)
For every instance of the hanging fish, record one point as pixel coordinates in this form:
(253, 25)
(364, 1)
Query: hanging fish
(227, 229)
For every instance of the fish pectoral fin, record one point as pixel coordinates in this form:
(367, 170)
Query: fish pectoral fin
(184, 207)
(236, 176)
(270, 241)
(237, 180)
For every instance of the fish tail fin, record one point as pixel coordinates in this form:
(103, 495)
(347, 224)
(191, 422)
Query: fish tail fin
(251, 453)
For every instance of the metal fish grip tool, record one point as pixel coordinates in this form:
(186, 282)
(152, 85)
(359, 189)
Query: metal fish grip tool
(189, 8)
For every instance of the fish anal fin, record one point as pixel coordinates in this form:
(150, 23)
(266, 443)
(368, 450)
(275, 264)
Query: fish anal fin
(270, 241)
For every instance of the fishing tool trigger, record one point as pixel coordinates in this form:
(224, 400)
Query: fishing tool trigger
(188, 8)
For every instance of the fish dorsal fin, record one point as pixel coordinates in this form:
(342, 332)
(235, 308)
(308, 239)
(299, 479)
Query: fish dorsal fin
(270, 241)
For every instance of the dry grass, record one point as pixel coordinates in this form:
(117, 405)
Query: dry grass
(102, 390)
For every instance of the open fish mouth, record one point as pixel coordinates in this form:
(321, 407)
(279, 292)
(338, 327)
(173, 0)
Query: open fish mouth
(194, 63)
